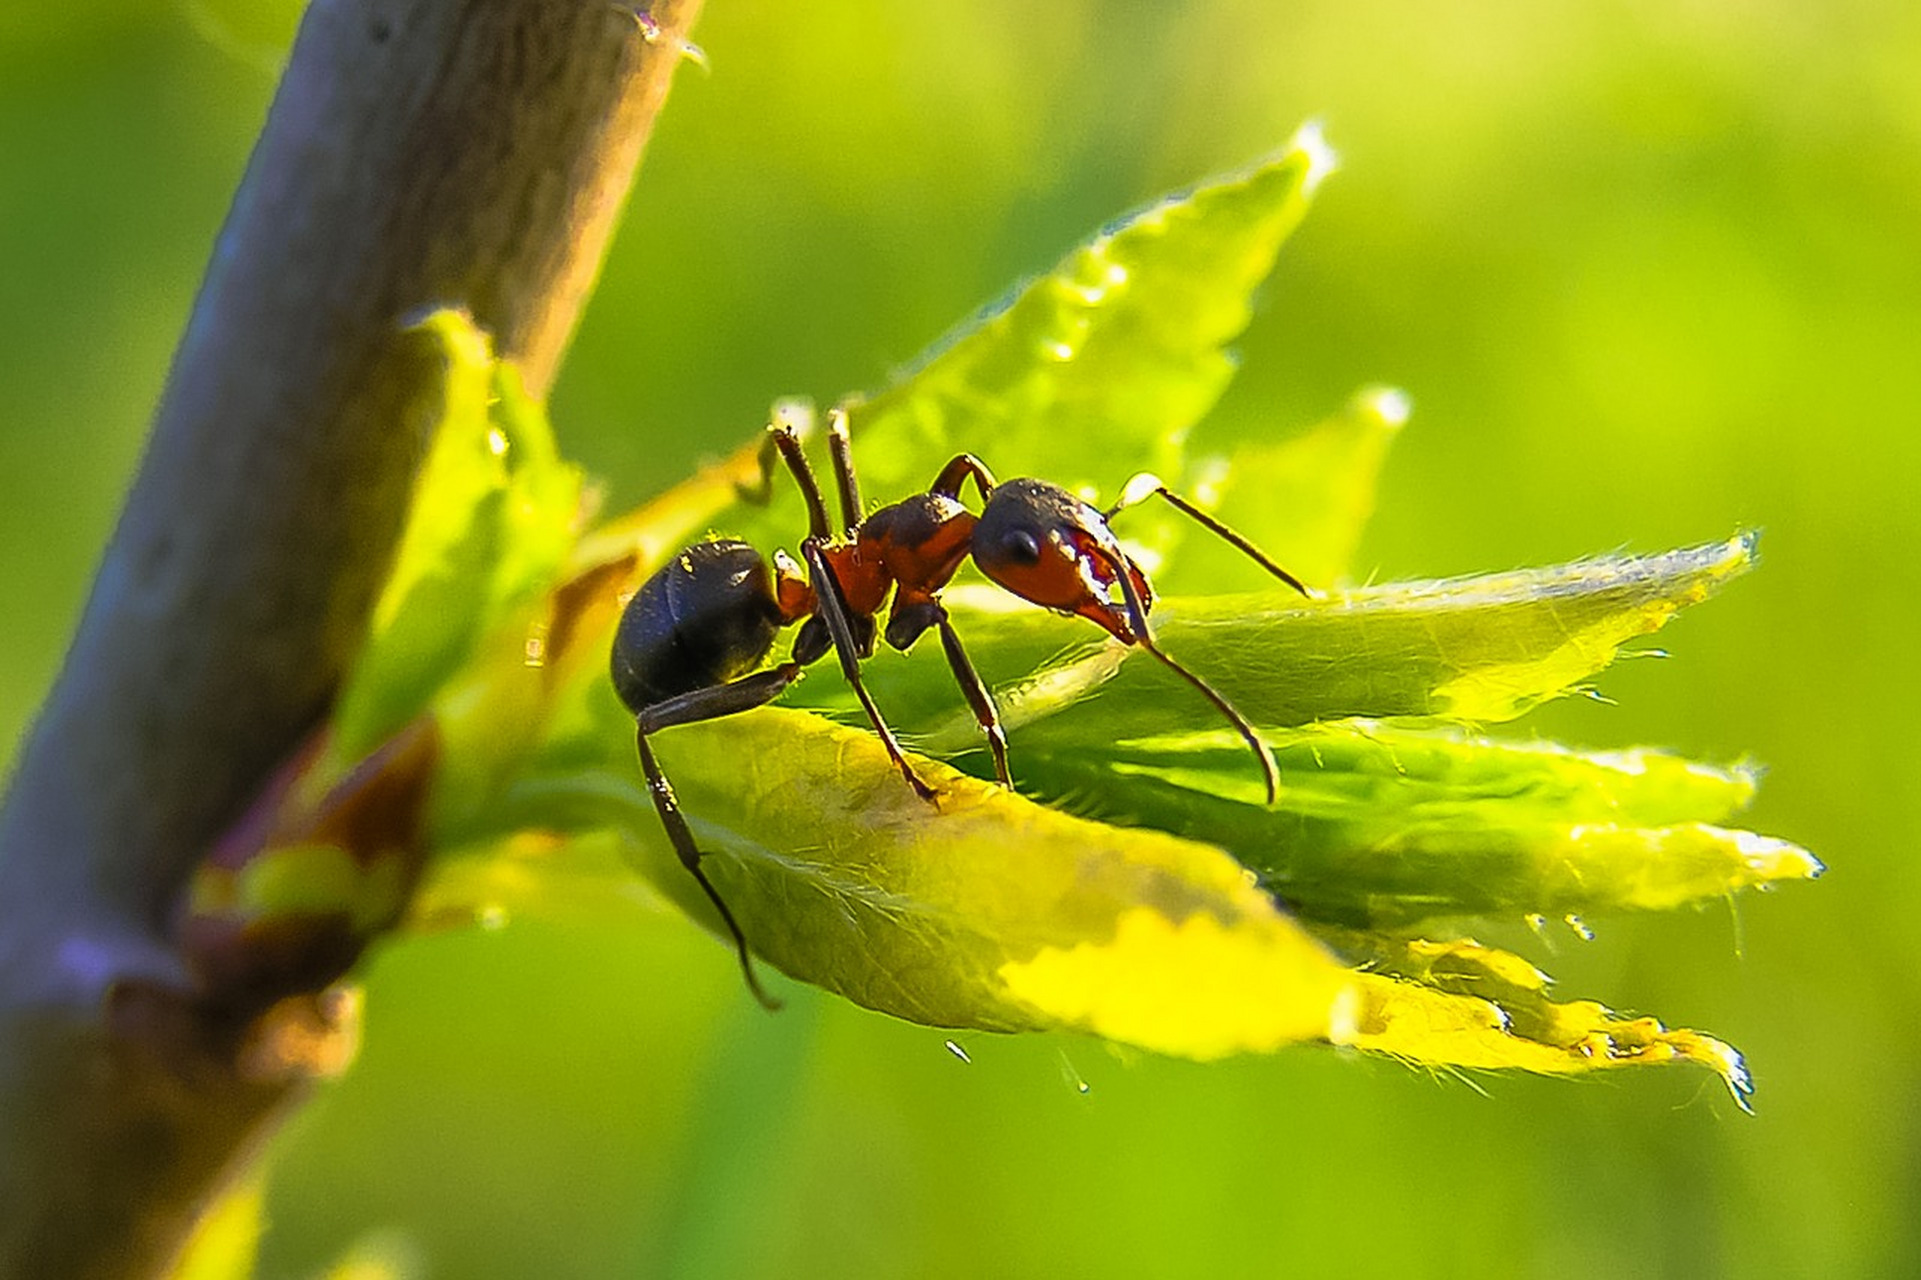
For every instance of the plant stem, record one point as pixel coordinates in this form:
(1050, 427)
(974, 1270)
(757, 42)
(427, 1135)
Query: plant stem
(418, 153)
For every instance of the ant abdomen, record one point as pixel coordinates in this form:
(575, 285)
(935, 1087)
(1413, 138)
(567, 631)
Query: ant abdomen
(706, 617)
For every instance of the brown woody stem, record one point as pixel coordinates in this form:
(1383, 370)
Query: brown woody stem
(418, 153)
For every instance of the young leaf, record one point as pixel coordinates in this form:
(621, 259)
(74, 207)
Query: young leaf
(1097, 368)
(1471, 649)
(1386, 827)
(1468, 1006)
(493, 518)
(1303, 499)
(985, 911)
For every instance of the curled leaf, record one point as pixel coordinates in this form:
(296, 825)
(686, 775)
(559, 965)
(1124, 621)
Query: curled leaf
(1468, 1006)
(1389, 827)
(493, 518)
(986, 911)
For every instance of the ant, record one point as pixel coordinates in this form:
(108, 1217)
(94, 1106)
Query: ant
(691, 641)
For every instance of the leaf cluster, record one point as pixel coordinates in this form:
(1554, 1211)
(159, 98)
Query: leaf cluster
(1134, 885)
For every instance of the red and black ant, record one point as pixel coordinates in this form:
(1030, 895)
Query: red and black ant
(691, 639)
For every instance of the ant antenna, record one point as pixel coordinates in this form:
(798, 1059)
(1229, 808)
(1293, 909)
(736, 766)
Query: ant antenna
(1146, 485)
(1137, 615)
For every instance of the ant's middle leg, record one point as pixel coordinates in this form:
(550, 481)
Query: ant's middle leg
(913, 618)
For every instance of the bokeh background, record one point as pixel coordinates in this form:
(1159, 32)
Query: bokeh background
(1650, 271)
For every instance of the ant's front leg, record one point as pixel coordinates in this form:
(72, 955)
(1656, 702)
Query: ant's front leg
(908, 623)
(958, 469)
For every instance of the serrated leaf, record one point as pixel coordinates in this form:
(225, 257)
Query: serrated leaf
(998, 913)
(1464, 1005)
(1304, 499)
(1477, 649)
(1097, 368)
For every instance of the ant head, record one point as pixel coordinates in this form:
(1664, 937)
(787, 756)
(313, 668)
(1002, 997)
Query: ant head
(1046, 546)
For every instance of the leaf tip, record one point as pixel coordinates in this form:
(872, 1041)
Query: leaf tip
(1769, 859)
(1382, 406)
(1310, 142)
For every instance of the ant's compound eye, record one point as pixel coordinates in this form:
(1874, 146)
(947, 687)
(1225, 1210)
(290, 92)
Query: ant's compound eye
(1020, 547)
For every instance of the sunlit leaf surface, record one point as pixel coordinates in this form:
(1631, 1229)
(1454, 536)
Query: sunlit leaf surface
(1136, 886)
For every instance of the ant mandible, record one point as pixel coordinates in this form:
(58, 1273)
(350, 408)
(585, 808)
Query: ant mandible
(691, 640)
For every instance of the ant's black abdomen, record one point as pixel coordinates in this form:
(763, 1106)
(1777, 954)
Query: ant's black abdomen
(707, 617)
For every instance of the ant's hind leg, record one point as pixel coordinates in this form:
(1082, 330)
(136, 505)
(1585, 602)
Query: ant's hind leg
(792, 421)
(682, 839)
(795, 416)
(689, 708)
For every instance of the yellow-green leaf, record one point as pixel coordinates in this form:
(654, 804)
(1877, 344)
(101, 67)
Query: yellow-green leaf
(493, 518)
(1387, 826)
(986, 911)
(1097, 367)
(1460, 1004)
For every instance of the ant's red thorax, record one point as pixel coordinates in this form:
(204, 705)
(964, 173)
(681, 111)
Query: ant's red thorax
(916, 544)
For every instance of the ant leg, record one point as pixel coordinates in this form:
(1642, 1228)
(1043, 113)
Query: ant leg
(986, 714)
(706, 704)
(841, 448)
(683, 841)
(831, 607)
(787, 441)
(761, 491)
(782, 441)
(1137, 616)
(719, 700)
(955, 473)
(794, 415)
(1145, 486)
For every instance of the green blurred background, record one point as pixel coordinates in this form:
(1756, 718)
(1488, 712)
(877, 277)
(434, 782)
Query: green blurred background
(1650, 271)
